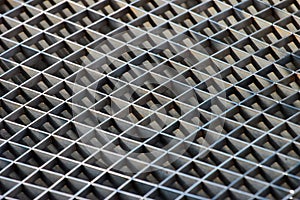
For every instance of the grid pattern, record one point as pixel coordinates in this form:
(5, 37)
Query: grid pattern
(47, 45)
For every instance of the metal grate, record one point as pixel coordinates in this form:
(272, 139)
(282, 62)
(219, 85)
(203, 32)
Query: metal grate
(153, 99)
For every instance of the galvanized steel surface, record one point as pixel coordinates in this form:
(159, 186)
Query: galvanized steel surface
(156, 99)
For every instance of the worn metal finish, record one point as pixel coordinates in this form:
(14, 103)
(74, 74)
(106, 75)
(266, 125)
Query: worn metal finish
(232, 130)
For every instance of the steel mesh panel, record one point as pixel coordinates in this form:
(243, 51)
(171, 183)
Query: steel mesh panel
(75, 109)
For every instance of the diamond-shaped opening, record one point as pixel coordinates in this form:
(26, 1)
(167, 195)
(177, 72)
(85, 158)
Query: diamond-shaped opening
(85, 173)
(208, 28)
(72, 131)
(187, 4)
(43, 5)
(290, 44)
(213, 158)
(264, 174)
(259, 103)
(206, 190)
(147, 22)
(44, 103)
(288, 182)
(108, 7)
(274, 193)
(271, 142)
(188, 19)
(69, 186)
(121, 146)
(136, 187)
(105, 26)
(42, 41)
(62, 69)
(25, 192)
(111, 180)
(42, 83)
(286, 130)
(35, 158)
(264, 122)
(274, 72)
(249, 186)
(252, 6)
(290, 23)
(21, 33)
(253, 64)
(7, 24)
(41, 61)
(290, 62)
(229, 146)
(251, 25)
(271, 54)
(6, 185)
(24, 116)
(8, 129)
(63, 90)
(196, 169)
(254, 84)
(238, 166)
(246, 134)
(277, 92)
(222, 126)
(44, 21)
(240, 114)
(128, 14)
(281, 162)
(230, 17)
(210, 8)
(292, 81)
(149, 5)
(44, 179)
(64, 29)
(105, 159)
(250, 45)
(6, 108)
(231, 55)
(17, 172)
(21, 95)
(67, 111)
(60, 165)
(254, 154)
(53, 145)
(271, 34)
(223, 178)
(272, 15)
(290, 6)
(23, 13)
(49, 123)
(84, 57)
(164, 194)
(66, 10)
(95, 192)
(126, 53)
(140, 134)
(78, 152)
(85, 18)
(281, 111)
(19, 54)
(29, 137)
(63, 49)
(85, 37)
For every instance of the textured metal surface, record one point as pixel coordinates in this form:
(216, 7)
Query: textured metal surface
(53, 52)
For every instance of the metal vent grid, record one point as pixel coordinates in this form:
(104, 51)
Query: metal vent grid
(47, 45)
